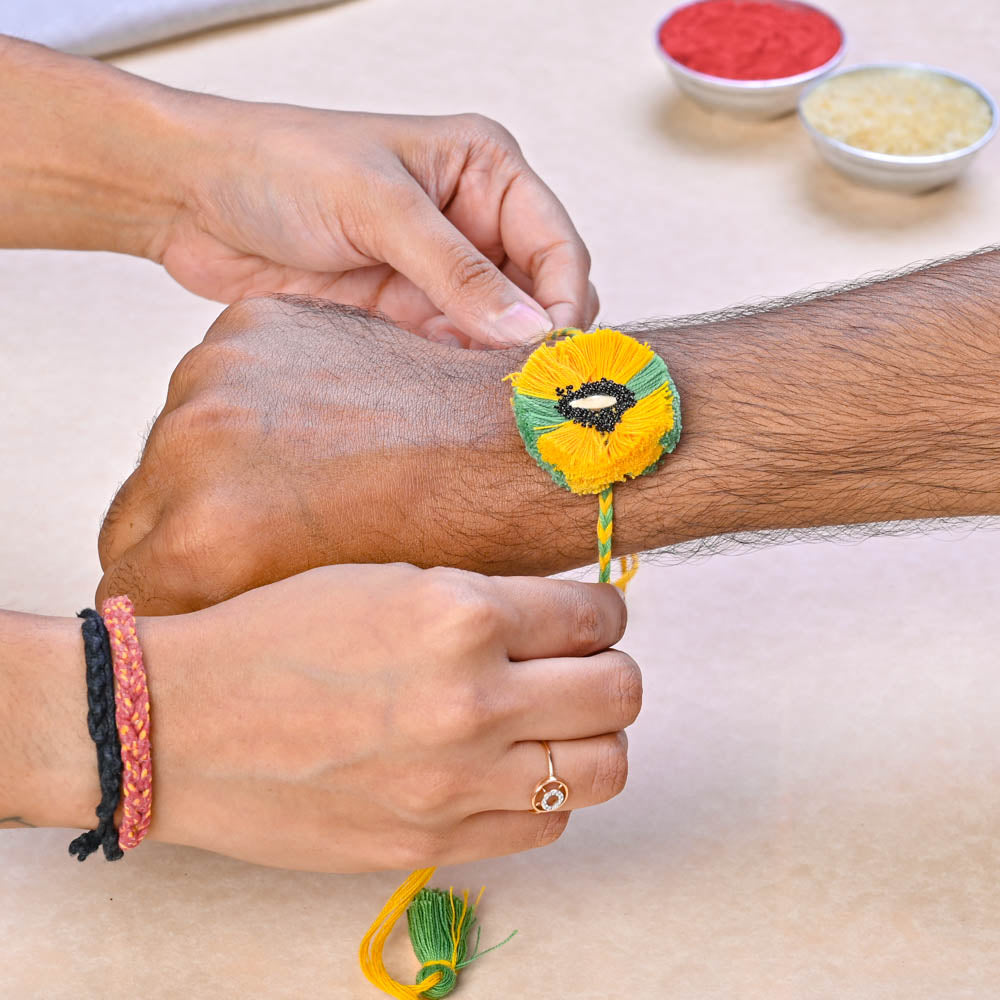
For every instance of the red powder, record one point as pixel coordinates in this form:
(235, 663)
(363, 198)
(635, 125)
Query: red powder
(750, 39)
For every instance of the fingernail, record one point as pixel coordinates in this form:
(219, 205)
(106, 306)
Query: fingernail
(520, 324)
(444, 338)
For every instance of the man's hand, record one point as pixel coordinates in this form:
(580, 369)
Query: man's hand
(301, 434)
(437, 222)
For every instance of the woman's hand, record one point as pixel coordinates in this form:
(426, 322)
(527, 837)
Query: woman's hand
(367, 717)
(439, 223)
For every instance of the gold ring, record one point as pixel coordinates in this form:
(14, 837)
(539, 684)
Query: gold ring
(551, 792)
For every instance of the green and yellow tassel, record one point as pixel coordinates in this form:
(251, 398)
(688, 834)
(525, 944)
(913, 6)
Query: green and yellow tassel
(439, 926)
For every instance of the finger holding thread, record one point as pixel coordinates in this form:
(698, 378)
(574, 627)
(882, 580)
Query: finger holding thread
(559, 617)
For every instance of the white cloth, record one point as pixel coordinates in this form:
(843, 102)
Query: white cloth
(99, 27)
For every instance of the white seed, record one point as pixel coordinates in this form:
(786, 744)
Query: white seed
(596, 402)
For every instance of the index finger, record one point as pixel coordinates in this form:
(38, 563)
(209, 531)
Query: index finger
(540, 238)
(550, 618)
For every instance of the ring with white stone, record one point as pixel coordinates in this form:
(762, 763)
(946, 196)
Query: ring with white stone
(551, 792)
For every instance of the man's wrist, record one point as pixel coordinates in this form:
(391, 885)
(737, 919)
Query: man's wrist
(866, 405)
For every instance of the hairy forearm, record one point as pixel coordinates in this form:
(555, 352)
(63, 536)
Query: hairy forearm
(876, 403)
(92, 158)
(49, 773)
(873, 404)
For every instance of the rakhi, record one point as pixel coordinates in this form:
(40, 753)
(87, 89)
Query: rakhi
(595, 409)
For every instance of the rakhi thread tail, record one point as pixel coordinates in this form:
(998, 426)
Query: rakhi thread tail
(629, 567)
(605, 526)
(439, 925)
(372, 944)
(605, 529)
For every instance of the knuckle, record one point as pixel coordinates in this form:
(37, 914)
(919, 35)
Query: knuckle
(210, 363)
(551, 828)
(586, 619)
(184, 376)
(184, 432)
(626, 690)
(470, 272)
(149, 590)
(113, 525)
(461, 603)
(210, 412)
(176, 567)
(427, 794)
(611, 770)
(485, 127)
(461, 713)
(419, 849)
(186, 541)
(243, 315)
(171, 429)
(561, 252)
(117, 579)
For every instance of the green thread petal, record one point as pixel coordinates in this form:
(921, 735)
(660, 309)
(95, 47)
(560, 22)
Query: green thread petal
(648, 379)
(534, 416)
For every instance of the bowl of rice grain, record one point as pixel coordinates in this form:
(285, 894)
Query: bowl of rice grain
(904, 126)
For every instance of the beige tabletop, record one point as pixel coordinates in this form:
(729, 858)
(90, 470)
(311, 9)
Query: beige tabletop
(814, 801)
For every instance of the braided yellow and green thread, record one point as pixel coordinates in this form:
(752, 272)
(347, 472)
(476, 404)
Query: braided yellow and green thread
(605, 526)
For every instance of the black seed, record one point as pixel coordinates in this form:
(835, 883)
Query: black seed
(604, 420)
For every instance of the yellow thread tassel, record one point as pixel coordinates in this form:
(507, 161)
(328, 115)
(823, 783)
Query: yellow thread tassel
(439, 932)
(629, 567)
(372, 963)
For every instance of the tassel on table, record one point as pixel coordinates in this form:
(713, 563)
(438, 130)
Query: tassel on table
(439, 926)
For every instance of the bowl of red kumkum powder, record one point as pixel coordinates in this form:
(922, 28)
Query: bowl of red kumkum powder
(751, 58)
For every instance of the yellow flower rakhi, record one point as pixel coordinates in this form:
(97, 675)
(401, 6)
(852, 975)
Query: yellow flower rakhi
(595, 409)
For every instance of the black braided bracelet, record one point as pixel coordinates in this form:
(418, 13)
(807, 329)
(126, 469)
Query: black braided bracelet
(104, 732)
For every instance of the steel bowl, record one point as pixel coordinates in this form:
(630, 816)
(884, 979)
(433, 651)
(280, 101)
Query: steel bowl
(910, 174)
(753, 99)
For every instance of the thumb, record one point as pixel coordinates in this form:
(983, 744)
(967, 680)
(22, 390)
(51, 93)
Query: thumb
(420, 243)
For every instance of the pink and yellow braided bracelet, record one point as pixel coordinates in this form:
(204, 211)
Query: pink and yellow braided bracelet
(132, 719)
